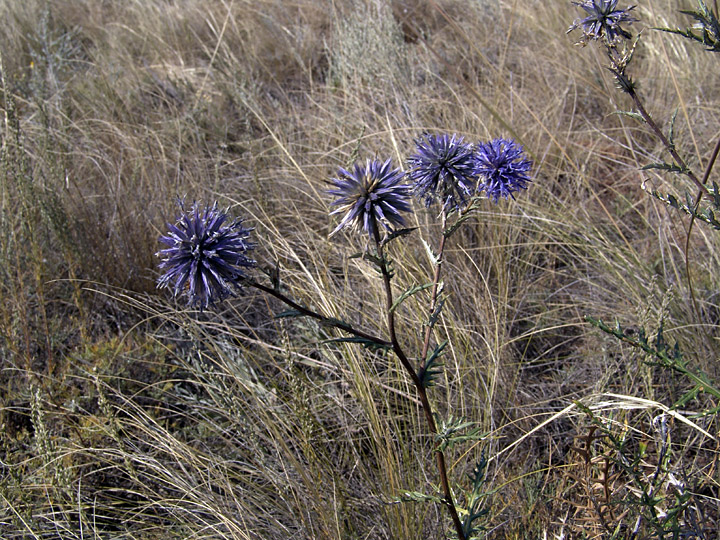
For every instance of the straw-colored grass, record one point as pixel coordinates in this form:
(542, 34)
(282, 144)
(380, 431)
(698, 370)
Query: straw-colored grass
(125, 415)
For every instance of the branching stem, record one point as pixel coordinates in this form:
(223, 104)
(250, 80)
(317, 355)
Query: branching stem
(397, 349)
(327, 321)
(422, 392)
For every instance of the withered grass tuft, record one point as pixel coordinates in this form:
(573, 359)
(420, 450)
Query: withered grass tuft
(126, 415)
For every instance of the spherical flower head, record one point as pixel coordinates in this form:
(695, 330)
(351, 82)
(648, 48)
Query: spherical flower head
(603, 20)
(205, 255)
(370, 194)
(444, 168)
(503, 168)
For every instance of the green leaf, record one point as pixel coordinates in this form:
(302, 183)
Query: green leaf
(408, 293)
(432, 320)
(378, 261)
(664, 167)
(367, 343)
(707, 22)
(716, 195)
(687, 398)
(397, 234)
(451, 432)
(478, 476)
(631, 114)
(467, 213)
(290, 313)
(429, 372)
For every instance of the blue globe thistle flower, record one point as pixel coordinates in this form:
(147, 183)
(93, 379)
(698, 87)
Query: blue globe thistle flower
(603, 19)
(444, 168)
(205, 255)
(503, 168)
(369, 195)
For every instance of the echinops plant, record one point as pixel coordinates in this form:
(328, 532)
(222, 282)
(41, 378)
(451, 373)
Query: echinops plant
(206, 259)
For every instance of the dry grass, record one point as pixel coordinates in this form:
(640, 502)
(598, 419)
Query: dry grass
(126, 416)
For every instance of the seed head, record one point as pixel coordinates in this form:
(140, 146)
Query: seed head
(205, 255)
(370, 194)
(503, 168)
(603, 20)
(444, 168)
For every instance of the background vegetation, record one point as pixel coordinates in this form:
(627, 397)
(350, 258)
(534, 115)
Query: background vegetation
(123, 415)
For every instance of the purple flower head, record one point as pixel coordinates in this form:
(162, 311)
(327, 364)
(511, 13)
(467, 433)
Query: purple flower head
(205, 255)
(503, 168)
(444, 168)
(603, 20)
(369, 195)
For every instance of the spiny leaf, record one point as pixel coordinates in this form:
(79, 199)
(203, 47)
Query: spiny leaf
(367, 343)
(707, 215)
(430, 253)
(707, 21)
(450, 432)
(397, 234)
(467, 213)
(664, 167)
(715, 195)
(408, 293)
(378, 261)
(477, 477)
(631, 114)
(432, 320)
(431, 369)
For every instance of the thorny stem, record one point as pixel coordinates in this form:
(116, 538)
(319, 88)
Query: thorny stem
(700, 184)
(422, 393)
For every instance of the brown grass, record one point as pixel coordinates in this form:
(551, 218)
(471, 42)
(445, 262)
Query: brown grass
(127, 416)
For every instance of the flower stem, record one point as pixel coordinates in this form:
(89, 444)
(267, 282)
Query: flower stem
(327, 321)
(422, 393)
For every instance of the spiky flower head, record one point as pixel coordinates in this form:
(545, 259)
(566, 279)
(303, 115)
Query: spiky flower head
(370, 194)
(603, 20)
(444, 168)
(206, 255)
(503, 168)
